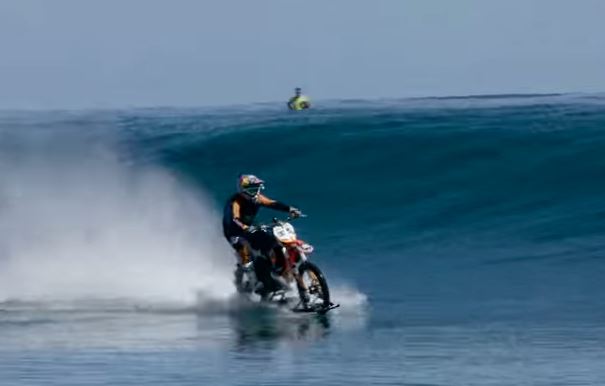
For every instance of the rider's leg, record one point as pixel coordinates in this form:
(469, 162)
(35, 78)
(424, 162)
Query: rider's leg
(262, 264)
(242, 250)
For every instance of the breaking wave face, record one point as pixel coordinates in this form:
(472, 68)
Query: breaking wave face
(78, 222)
(451, 202)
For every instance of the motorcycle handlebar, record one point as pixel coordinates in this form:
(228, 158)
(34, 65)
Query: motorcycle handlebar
(289, 218)
(265, 227)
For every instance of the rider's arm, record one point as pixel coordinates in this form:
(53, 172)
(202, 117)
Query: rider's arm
(235, 209)
(269, 203)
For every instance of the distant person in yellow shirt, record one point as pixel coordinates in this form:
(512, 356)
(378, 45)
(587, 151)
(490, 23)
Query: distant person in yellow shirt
(299, 101)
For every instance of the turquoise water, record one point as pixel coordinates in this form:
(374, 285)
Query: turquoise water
(462, 236)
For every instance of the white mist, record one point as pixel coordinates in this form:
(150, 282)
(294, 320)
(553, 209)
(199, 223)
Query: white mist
(85, 225)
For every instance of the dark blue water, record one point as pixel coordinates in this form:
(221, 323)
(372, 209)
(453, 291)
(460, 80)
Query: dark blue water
(464, 238)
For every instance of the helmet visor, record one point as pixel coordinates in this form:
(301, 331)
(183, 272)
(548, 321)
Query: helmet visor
(253, 190)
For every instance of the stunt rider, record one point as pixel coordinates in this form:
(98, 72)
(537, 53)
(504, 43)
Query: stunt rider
(238, 218)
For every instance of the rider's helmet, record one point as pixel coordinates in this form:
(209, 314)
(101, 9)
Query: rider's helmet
(250, 185)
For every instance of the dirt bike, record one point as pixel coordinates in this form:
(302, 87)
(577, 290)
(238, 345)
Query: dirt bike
(291, 271)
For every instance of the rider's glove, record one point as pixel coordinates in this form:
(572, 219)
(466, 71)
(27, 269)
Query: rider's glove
(295, 212)
(252, 229)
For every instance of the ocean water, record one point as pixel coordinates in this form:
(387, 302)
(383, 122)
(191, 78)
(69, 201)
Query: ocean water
(463, 238)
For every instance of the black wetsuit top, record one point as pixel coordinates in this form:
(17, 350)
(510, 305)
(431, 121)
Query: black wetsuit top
(248, 208)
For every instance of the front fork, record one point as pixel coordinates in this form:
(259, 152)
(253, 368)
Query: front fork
(293, 261)
(300, 283)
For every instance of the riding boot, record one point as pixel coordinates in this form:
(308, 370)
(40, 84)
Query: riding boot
(238, 274)
(241, 285)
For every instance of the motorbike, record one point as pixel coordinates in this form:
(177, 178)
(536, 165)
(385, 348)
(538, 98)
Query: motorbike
(296, 280)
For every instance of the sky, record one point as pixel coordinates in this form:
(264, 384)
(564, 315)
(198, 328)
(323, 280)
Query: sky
(145, 53)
